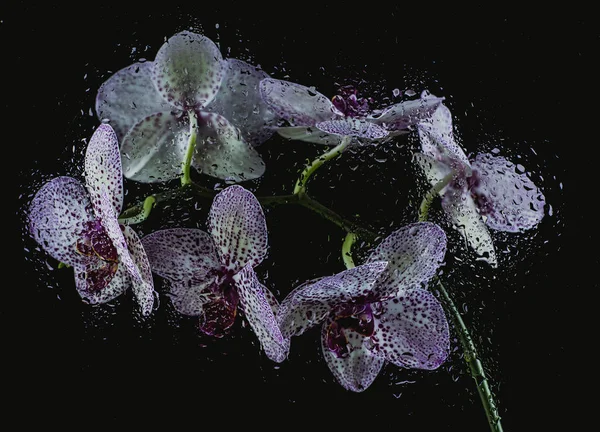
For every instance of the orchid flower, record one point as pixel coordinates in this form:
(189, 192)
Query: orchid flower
(312, 117)
(189, 92)
(487, 191)
(378, 311)
(77, 225)
(211, 274)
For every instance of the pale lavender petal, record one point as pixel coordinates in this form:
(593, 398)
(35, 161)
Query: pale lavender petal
(142, 290)
(189, 296)
(188, 70)
(298, 104)
(181, 254)
(221, 151)
(311, 303)
(239, 101)
(414, 253)
(434, 169)
(358, 370)
(127, 97)
(412, 331)
(507, 199)
(309, 134)
(154, 149)
(258, 312)
(58, 215)
(353, 127)
(238, 227)
(86, 288)
(103, 166)
(405, 114)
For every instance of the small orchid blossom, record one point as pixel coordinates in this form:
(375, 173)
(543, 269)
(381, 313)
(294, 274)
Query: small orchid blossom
(378, 311)
(211, 274)
(312, 117)
(77, 225)
(487, 191)
(188, 91)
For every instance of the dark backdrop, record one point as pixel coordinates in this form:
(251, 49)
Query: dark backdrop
(522, 82)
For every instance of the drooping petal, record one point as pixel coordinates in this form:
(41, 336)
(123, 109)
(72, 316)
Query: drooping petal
(92, 292)
(405, 114)
(298, 104)
(311, 303)
(255, 304)
(188, 70)
(506, 197)
(103, 166)
(238, 227)
(59, 213)
(127, 97)
(309, 134)
(154, 149)
(221, 151)
(414, 253)
(412, 331)
(189, 296)
(357, 370)
(239, 101)
(142, 290)
(353, 127)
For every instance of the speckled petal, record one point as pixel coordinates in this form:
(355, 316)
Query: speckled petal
(405, 114)
(239, 101)
(358, 370)
(127, 97)
(103, 166)
(221, 151)
(414, 253)
(311, 303)
(309, 134)
(154, 149)
(181, 254)
(119, 283)
(188, 70)
(299, 105)
(189, 296)
(258, 312)
(58, 215)
(353, 127)
(238, 227)
(507, 199)
(412, 331)
(142, 290)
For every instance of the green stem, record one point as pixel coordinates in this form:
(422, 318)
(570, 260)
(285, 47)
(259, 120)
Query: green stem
(347, 250)
(314, 165)
(187, 163)
(142, 215)
(431, 194)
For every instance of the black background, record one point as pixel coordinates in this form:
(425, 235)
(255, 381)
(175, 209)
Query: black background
(515, 80)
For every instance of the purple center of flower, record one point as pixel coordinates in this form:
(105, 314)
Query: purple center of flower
(221, 309)
(349, 104)
(483, 203)
(357, 317)
(95, 242)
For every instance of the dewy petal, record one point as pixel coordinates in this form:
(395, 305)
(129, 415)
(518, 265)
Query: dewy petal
(238, 227)
(299, 105)
(221, 151)
(412, 331)
(189, 296)
(86, 288)
(405, 114)
(58, 215)
(414, 253)
(434, 169)
(354, 127)
(127, 97)
(180, 254)
(258, 312)
(506, 197)
(309, 134)
(239, 101)
(311, 303)
(358, 370)
(188, 70)
(103, 166)
(154, 149)
(142, 290)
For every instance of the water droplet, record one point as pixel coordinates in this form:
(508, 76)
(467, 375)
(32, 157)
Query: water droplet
(410, 92)
(396, 92)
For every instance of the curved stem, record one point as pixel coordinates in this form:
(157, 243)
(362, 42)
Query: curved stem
(142, 215)
(185, 177)
(431, 194)
(347, 250)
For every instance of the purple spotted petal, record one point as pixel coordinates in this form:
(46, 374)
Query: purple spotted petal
(189, 296)
(239, 101)
(255, 304)
(238, 227)
(154, 149)
(127, 97)
(412, 331)
(93, 292)
(103, 167)
(299, 105)
(505, 196)
(221, 151)
(58, 215)
(181, 254)
(309, 134)
(188, 70)
(358, 369)
(414, 253)
(311, 303)
(142, 290)
(353, 127)
(405, 114)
